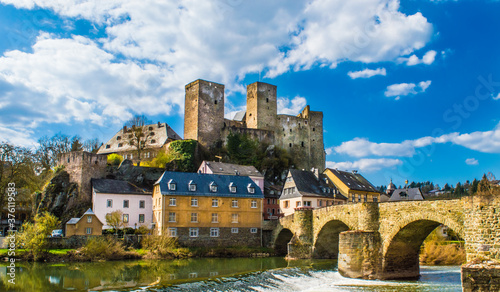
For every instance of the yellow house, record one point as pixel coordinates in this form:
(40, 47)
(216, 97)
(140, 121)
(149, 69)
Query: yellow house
(88, 224)
(208, 209)
(353, 185)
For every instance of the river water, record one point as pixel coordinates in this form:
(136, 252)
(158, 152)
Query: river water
(213, 274)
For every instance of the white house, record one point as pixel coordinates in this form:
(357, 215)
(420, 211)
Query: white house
(109, 195)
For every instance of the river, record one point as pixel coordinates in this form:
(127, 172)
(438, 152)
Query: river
(213, 274)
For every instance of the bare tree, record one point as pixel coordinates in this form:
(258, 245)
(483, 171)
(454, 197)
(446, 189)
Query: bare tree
(115, 220)
(138, 134)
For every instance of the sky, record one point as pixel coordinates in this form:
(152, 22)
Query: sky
(410, 90)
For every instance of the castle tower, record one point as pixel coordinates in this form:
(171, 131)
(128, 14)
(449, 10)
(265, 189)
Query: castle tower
(261, 106)
(204, 112)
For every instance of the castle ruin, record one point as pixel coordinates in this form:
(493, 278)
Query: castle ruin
(301, 135)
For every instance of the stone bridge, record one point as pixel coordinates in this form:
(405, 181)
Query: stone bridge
(382, 240)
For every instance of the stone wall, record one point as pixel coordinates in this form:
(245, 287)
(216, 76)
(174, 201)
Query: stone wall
(261, 106)
(82, 166)
(226, 239)
(480, 277)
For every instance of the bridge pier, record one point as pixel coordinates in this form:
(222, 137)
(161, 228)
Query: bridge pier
(359, 254)
(301, 244)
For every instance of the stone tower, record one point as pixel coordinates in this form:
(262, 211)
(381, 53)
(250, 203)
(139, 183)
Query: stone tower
(261, 106)
(204, 112)
(83, 166)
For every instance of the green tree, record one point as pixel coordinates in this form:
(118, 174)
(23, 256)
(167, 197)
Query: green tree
(33, 236)
(115, 220)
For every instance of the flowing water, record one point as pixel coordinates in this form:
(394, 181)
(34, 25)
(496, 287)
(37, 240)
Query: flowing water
(213, 274)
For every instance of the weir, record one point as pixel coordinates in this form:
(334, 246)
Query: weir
(383, 240)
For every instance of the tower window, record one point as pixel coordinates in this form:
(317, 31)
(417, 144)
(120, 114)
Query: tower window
(290, 130)
(267, 99)
(215, 101)
(302, 143)
(290, 144)
(314, 129)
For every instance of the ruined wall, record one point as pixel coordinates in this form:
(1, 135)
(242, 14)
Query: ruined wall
(261, 106)
(263, 136)
(204, 112)
(82, 166)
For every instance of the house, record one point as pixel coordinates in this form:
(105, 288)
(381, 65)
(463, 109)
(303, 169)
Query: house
(271, 207)
(110, 195)
(353, 186)
(208, 209)
(407, 194)
(308, 189)
(88, 224)
(272, 195)
(156, 136)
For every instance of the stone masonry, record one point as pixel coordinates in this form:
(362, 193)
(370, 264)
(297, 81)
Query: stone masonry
(382, 240)
(301, 135)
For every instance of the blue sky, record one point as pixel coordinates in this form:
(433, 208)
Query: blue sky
(409, 89)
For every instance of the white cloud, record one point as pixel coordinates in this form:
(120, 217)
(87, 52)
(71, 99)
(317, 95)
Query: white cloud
(496, 97)
(487, 142)
(471, 161)
(151, 49)
(413, 60)
(291, 107)
(367, 73)
(365, 165)
(403, 89)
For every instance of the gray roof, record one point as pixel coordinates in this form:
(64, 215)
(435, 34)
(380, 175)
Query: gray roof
(239, 116)
(111, 186)
(309, 186)
(73, 221)
(89, 212)
(409, 194)
(162, 133)
(232, 169)
(354, 180)
(203, 182)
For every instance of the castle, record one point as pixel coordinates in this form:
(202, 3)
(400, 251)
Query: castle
(301, 135)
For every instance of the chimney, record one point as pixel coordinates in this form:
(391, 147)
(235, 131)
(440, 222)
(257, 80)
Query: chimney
(316, 172)
(124, 129)
(159, 125)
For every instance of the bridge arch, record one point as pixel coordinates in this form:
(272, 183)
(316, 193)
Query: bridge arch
(283, 237)
(326, 244)
(403, 235)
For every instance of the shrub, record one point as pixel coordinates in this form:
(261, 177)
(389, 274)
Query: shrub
(34, 235)
(115, 159)
(105, 248)
(164, 246)
(435, 253)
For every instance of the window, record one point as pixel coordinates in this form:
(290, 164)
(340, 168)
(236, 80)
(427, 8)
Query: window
(108, 146)
(359, 198)
(193, 232)
(171, 217)
(234, 218)
(253, 230)
(120, 144)
(172, 232)
(172, 186)
(320, 203)
(150, 128)
(142, 204)
(234, 230)
(215, 218)
(232, 188)
(88, 230)
(268, 201)
(268, 210)
(109, 203)
(286, 203)
(89, 219)
(215, 202)
(141, 218)
(192, 186)
(214, 232)
(172, 202)
(152, 134)
(251, 189)
(234, 203)
(131, 156)
(297, 204)
(213, 187)
(194, 202)
(125, 218)
(353, 198)
(194, 217)
(125, 203)
(253, 204)
(125, 156)
(365, 198)
(375, 199)
(307, 203)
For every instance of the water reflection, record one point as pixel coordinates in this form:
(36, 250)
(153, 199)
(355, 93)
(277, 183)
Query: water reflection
(124, 275)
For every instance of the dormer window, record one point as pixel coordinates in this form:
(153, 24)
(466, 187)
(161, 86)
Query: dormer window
(153, 141)
(152, 134)
(213, 187)
(172, 185)
(232, 188)
(108, 146)
(119, 138)
(192, 186)
(251, 189)
(150, 128)
(120, 144)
